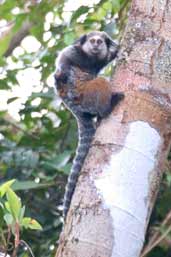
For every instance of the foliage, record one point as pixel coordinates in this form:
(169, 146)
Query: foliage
(12, 214)
(37, 146)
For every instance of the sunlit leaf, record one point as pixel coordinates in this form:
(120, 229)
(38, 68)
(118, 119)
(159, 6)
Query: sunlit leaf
(31, 223)
(4, 187)
(4, 43)
(22, 212)
(8, 219)
(14, 203)
(7, 207)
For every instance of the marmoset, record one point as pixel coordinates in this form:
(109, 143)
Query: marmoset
(84, 94)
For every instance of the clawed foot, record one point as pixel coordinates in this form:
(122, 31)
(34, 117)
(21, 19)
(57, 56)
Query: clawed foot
(117, 97)
(60, 77)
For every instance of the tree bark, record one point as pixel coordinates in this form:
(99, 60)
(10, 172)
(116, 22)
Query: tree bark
(120, 178)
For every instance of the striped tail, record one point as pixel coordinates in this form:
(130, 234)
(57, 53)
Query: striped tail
(86, 131)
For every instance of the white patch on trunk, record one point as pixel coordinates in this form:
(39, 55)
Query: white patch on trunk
(124, 186)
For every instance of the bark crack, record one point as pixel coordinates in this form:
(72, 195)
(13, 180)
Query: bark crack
(123, 146)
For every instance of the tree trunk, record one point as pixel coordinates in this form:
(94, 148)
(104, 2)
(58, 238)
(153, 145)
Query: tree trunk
(120, 178)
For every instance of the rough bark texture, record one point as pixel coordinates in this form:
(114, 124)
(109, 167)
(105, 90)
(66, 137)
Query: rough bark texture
(120, 178)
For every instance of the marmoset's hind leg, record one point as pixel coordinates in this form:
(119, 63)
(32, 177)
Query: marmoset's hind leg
(96, 97)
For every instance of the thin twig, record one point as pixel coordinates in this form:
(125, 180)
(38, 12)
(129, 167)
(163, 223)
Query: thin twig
(8, 239)
(18, 37)
(165, 221)
(28, 247)
(157, 233)
(155, 239)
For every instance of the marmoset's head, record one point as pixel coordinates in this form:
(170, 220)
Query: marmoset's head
(97, 44)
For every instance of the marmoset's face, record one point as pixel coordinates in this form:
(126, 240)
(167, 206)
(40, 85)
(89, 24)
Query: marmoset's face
(95, 46)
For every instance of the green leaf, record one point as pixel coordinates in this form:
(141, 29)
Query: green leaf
(22, 212)
(4, 187)
(1, 215)
(69, 38)
(37, 31)
(4, 42)
(81, 10)
(27, 185)
(47, 95)
(5, 9)
(10, 100)
(116, 5)
(31, 223)
(7, 207)
(1, 206)
(58, 162)
(67, 168)
(107, 5)
(8, 219)
(14, 203)
(4, 84)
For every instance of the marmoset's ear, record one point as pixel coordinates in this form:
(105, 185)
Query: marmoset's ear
(113, 48)
(81, 40)
(109, 41)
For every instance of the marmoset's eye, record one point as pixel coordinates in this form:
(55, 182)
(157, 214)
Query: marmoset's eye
(99, 41)
(92, 40)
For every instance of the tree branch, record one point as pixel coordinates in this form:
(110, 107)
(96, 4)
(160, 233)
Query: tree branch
(18, 37)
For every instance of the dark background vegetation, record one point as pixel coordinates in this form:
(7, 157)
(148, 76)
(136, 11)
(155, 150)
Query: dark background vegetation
(37, 149)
